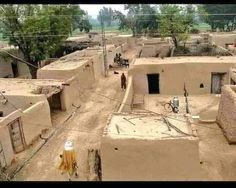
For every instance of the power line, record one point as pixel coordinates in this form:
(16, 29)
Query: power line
(61, 15)
(22, 60)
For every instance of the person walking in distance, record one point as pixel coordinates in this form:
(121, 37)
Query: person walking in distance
(123, 81)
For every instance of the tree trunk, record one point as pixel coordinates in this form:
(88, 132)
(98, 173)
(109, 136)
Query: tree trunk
(133, 31)
(32, 66)
(175, 41)
(33, 71)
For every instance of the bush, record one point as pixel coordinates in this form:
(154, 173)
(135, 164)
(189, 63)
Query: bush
(194, 31)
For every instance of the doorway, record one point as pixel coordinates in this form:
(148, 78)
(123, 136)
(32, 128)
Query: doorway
(14, 70)
(153, 83)
(216, 82)
(55, 102)
(17, 136)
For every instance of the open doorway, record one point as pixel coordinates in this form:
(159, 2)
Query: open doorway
(153, 83)
(217, 82)
(14, 70)
(55, 102)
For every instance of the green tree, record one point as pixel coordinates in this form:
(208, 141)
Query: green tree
(107, 14)
(38, 31)
(174, 22)
(219, 16)
(141, 18)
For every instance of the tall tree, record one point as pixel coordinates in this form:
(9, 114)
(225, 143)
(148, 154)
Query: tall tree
(38, 31)
(221, 16)
(174, 22)
(107, 15)
(140, 18)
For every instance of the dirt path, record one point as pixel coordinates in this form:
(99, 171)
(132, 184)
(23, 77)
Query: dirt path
(85, 129)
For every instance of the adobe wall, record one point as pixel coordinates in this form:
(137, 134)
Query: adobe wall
(142, 160)
(156, 50)
(23, 70)
(222, 39)
(98, 66)
(41, 120)
(84, 74)
(173, 76)
(119, 40)
(20, 102)
(232, 49)
(126, 105)
(226, 113)
(5, 138)
(70, 93)
(29, 106)
(5, 69)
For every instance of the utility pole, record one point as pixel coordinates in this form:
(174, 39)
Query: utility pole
(104, 46)
(186, 99)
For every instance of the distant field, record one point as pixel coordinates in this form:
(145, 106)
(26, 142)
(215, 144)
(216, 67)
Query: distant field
(98, 29)
(202, 27)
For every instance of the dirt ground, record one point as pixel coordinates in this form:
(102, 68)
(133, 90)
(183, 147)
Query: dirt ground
(216, 155)
(84, 129)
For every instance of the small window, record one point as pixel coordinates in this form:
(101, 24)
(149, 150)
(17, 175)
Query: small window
(201, 85)
(116, 148)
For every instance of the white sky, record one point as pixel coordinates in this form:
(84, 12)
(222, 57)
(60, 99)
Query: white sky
(93, 9)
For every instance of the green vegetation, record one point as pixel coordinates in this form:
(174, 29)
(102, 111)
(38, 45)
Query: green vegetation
(141, 18)
(39, 31)
(176, 22)
(107, 16)
(220, 16)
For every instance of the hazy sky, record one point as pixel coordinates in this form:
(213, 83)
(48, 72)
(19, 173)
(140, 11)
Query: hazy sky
(93, 9)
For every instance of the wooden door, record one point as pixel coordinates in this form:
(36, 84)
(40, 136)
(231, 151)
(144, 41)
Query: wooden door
(216, 83)
(17, 136)
(3, 162)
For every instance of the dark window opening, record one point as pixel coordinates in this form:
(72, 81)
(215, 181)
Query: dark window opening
(1, 113)
(153, 83)
(14, 70)
(116, 148)
(201, 86)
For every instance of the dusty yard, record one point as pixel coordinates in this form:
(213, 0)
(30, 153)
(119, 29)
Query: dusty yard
(84, 128)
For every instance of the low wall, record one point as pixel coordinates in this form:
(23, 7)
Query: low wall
(128, 98)
(226, 113)
(5, 138)
(222, 39)
(173, 76)
(70, 93)
(19, 101)
(5, 69)
(156, 50)
(98, 66)
(144, 160)
(35, 119)
(23, 70)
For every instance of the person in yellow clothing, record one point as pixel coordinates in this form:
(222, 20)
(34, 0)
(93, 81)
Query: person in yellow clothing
(68, 160)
